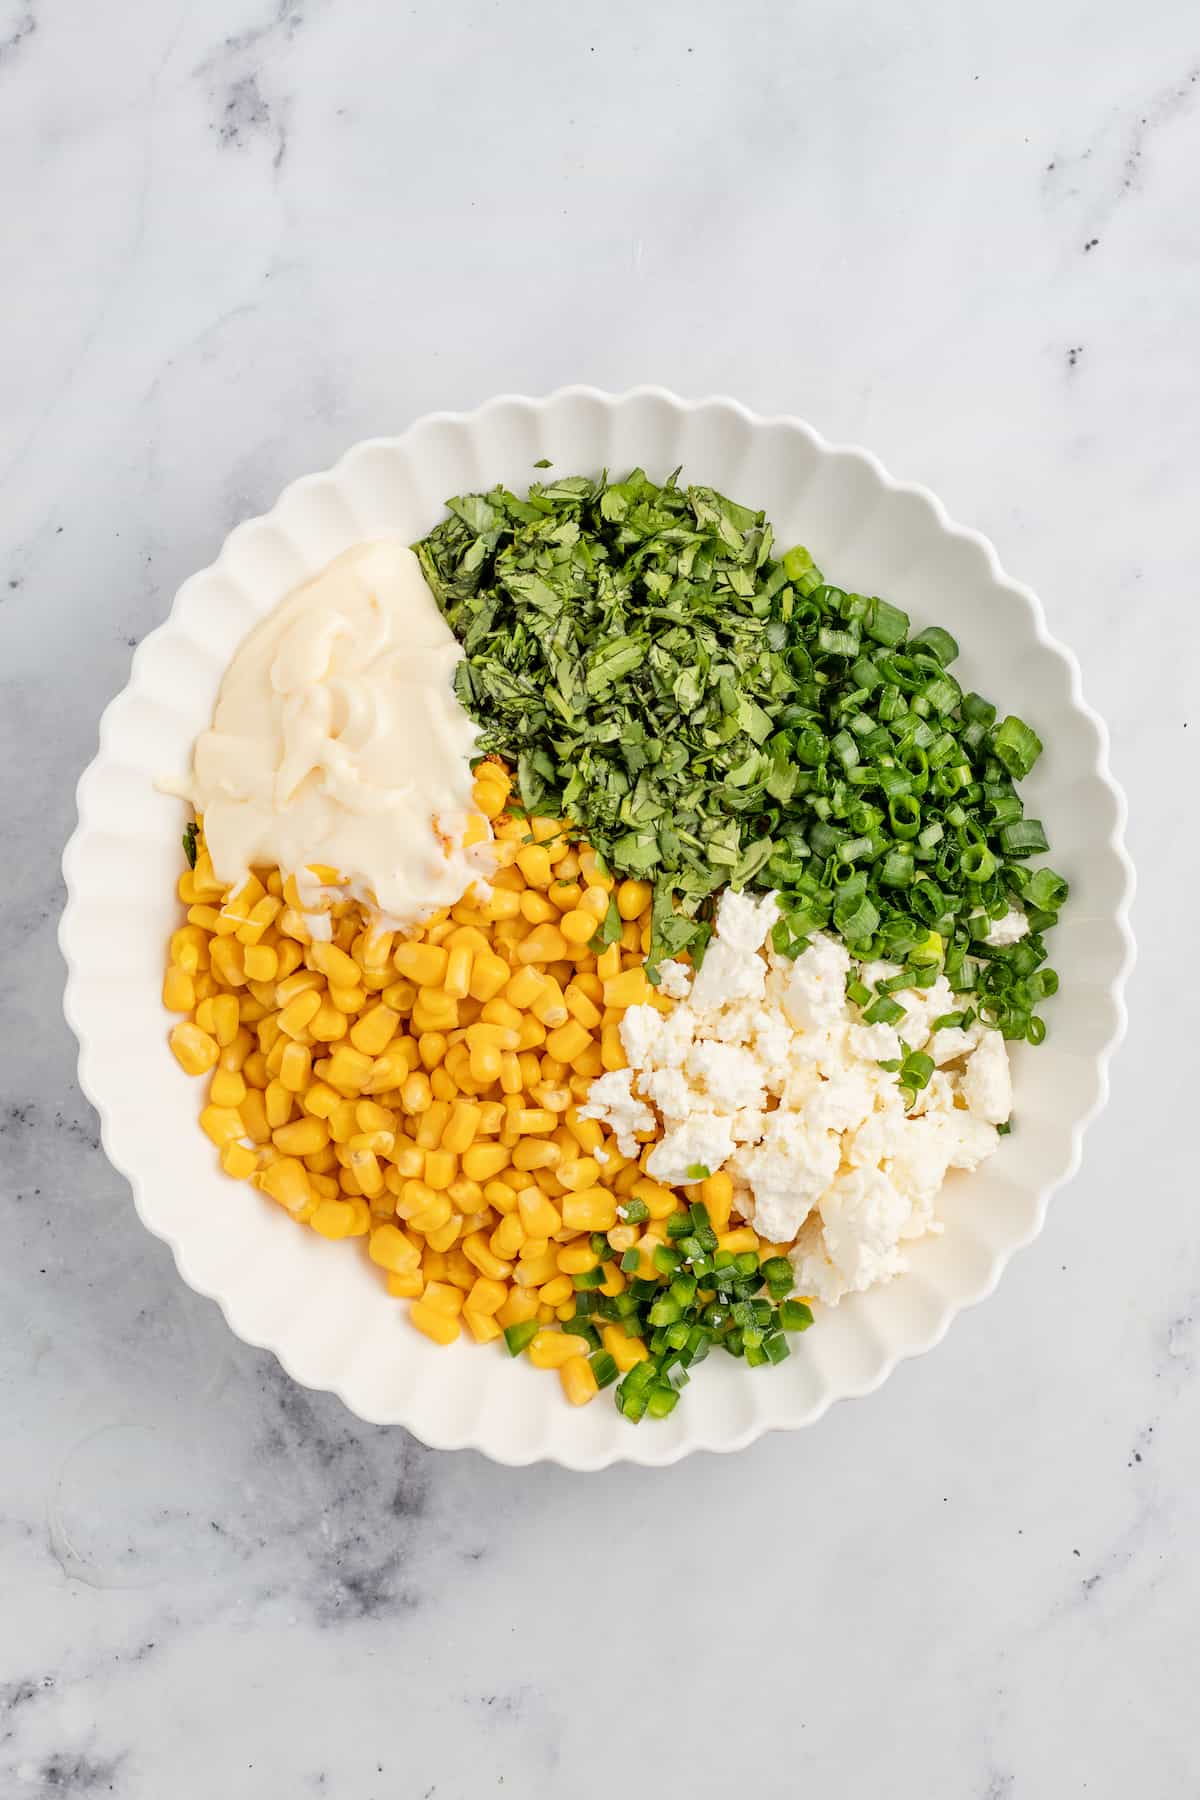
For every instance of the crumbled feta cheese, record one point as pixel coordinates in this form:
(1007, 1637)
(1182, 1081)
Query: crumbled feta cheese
(952, 1042)
(668, 1089)
(787, 1173)
(641, 1030)
(1008, 930)
(704, 1138)
(727, 974)
(874, 1043)
(744, 922)
(987, 1083)
(764, 1068)
(674, 980)
(730, 1075)
(611, 1099)
(814, 986)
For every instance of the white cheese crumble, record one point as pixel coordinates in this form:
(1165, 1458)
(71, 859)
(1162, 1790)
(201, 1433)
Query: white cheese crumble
(1008, 930)
(764, 1068)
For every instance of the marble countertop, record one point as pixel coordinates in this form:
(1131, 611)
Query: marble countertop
(239, 236)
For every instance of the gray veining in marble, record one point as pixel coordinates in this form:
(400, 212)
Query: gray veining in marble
(238, 237)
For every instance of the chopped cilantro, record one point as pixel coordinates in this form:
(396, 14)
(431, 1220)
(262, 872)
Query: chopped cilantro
(189, 844)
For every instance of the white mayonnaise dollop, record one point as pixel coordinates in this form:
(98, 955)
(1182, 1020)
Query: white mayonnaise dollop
(338, 740)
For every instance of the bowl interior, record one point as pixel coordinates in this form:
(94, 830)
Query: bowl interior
(321, 1308)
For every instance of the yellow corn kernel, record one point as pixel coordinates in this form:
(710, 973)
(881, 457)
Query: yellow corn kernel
(482, 1326)
(338, 969)
(445, 1297)
(539, 1216)
(544, 944)
(406, 1287)
(178, 990)
(225, 1017)
(716, 1191)
(416, 1095)
(434, 1010)
(486, 1296)
(537, 908)
(510, 1077)
(301, 1138)
(431, 1047)
(278, 1105)
(557, 1291)
(261, 962)
(226, 1088)
(660, 1200)
(578, 1379)
(535, 1271)
(743, 1238)
(423, 963)
(483, 1160)
(432, 1217)
(457, 980)
(577, 1259)
(374, 1030)
(320, 1100)
(569, 1041)
(614, 1282)
(459, 1272)
(577, 1172)
(622, 1237)
(629, 988)
(577, 927)
(447, 1235)
(548, 1005)
(586, 1132)
(327, 1024)
(239, 1161)
(400, 996)
(287, 1181)
(195, 1051)
(207, 917)
(431, 1124)
(295, 1017)
(591, 1209)
(323, 1161)
(333, 1218)
(608, 963)
(441, 1166)
(348, 1069)
(536, 1153)
(532, 1121)
(477, 1251)
(625, 1351)
(551, 1349)
(522, 1304)
(500, 1195)
(508, 1237)
(436, 1325)
(581, 1006)
(461, 1128)
(489, 975)
(295, 1067)
(228, 961)
(433, 1265)
(254, 1117)
(533, 860)
(392, 1250)
(633, 897)
(523, 987)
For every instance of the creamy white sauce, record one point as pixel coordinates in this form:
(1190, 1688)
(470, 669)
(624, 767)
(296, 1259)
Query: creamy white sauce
(337, 739)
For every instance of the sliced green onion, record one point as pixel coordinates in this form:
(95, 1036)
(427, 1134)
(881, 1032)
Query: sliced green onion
(1016, 746)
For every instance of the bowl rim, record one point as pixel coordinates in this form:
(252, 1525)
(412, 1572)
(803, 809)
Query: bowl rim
(761, 1425)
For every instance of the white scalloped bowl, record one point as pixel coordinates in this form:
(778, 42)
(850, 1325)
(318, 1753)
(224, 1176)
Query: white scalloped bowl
(321, 1308)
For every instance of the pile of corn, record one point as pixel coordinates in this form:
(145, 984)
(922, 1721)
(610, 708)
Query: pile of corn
(425, 1093)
